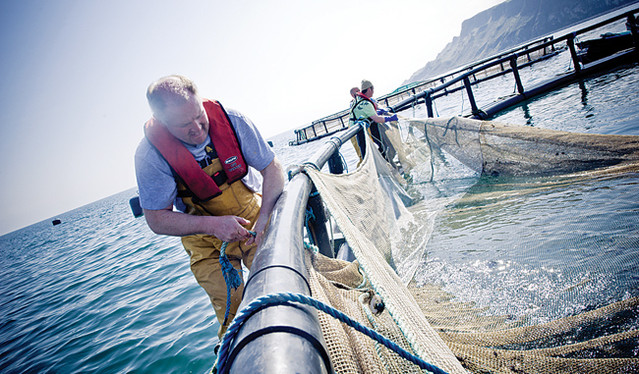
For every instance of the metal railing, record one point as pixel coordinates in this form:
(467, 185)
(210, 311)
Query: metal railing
(579, 70)
(339, 121)
(509, 62)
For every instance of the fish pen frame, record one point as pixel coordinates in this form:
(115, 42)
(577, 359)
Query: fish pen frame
(492, 67)
(579, 70)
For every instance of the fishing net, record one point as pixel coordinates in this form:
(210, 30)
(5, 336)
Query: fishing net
(382, 232)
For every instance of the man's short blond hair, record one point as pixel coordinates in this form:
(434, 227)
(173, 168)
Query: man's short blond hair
(173, 89)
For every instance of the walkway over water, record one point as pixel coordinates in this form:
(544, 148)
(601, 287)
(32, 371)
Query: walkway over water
(507, 63)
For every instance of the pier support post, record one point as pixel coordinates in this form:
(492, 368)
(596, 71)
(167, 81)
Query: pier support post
(573, 53)
(471, 97)
(513, 65)
(428, 100)
(632, 25)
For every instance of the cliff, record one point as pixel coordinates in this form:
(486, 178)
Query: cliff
(509, 24)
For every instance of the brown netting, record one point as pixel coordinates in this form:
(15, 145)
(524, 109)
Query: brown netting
(496, 148)
(427, 321)
(343, 287)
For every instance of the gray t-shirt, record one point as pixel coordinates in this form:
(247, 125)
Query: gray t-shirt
(156, 185)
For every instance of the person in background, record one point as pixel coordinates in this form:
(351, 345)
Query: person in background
(365, 109)
(359, 138)
(205, 160)
(354, 92)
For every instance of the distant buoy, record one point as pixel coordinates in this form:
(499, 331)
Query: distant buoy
(56, 222)
(135, 207)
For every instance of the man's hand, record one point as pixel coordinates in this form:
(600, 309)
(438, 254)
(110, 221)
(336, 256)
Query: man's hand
(259, 232)
(231, 229)
(225, 228)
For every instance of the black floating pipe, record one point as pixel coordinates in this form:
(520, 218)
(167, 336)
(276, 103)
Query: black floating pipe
(317, 215)
(281, 337)
(284, 338)
(536, 90)
(553, 83)
(331, 146)
(406, 103)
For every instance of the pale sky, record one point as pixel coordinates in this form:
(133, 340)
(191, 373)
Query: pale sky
(74, 75)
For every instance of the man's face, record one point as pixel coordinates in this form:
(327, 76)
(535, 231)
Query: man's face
(368, 92)
(187, 122)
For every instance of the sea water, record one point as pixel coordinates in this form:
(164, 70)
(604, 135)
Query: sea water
(542, 248)
(101, 293)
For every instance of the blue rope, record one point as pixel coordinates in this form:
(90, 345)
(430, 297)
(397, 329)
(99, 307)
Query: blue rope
(311, 247)
(286, 298)
(308, 216)
(344, 164)
(231, 278)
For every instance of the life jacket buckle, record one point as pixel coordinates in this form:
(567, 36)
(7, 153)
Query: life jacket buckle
(219, 177)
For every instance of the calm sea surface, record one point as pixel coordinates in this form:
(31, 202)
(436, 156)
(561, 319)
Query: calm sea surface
(101, 293)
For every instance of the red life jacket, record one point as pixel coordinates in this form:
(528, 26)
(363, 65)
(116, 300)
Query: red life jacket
(184, 164)
(367, 99)
(361, 97)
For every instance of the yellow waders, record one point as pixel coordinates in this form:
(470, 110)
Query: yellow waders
(358, 149)
(204, 250)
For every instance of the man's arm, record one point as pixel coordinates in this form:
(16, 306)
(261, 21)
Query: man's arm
(378, 119)
(226, 228)
(367, 110)
(272, 187)
(169, 222)
(383, 119)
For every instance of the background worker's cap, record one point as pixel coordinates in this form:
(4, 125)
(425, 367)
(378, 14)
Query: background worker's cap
(366, 84)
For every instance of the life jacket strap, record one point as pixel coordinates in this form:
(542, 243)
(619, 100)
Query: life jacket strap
(218, 177)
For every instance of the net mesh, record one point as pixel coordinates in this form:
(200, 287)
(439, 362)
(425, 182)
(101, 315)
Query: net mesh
(388, 239)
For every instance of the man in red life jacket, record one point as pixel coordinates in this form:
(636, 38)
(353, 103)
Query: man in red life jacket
(205, 160)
